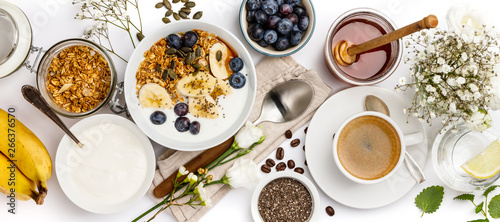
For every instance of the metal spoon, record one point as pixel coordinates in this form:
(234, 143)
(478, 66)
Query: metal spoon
(32, 95)
(373, 103)
(286, 101)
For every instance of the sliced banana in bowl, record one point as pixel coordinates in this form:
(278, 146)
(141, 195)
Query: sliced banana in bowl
(218, 60)
(204, 107)
(199, 85)
(152, 95)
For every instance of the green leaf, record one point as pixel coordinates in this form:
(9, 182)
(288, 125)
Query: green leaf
(489, 190)
(465, 196)
(479, 220)
(430, 199)
(479, 207)
(494, 206)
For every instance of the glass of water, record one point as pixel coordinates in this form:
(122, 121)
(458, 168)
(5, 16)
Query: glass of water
(453, 148)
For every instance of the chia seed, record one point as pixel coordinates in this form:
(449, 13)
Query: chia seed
(285, 199)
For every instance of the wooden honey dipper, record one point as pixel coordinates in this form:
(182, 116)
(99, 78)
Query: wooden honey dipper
(346, 53)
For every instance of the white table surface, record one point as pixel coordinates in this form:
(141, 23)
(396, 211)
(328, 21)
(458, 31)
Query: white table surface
(52, 21)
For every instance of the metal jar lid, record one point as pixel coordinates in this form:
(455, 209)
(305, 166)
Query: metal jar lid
(15, 38)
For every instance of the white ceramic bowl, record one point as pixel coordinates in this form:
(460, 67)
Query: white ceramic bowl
(400, 158)
(269, 50)
(166, 134)
(69, 160)
(301, 178)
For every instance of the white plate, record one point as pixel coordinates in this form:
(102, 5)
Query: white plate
(166, 134)
(319, 154)
(69, 155)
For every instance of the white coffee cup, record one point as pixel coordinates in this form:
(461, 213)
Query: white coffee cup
(374, 152)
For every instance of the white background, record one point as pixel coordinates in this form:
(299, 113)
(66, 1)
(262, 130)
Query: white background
(52, 21)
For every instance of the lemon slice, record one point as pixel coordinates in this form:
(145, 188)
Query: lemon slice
(485, 164)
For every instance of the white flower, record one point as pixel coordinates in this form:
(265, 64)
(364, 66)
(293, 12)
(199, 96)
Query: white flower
(431, 99)
(79, 16)
(451, 82)
(436, 78)
(201, 191)
(430, 88)
(430, 48)
(97, 15)
(191, 178)
(473, 87)
(460, 80)
(464, 56)
(182, 171)
(462, 16)
(248, 135)
(242, 174)
(101, 25)
(402, 81)
(479, 121)
(441, 61)
(207, 202)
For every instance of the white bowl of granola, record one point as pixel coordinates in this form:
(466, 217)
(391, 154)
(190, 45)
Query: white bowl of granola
(190, 85)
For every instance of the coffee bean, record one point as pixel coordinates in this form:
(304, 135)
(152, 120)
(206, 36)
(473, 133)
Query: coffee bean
(295, 142)
(305, 130)
(270, 162)
(299, 170)
(265, 168)
(288, 134)
(305, 162)
(281, 166)
(291, 164)
(280, 153)
(330, 211)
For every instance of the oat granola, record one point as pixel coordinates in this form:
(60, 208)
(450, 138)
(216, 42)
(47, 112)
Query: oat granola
(78, 79)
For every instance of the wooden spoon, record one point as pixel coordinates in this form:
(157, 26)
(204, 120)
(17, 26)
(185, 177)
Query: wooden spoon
(346, 53)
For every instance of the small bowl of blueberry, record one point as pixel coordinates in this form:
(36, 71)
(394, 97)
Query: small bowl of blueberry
(277, 27)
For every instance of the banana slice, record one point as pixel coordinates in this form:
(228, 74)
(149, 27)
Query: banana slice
(153, 95)
(199, 85)
(219, 67)
(222, 88)
(204, 107)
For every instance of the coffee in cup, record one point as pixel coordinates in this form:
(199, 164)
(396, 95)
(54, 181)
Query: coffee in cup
(368, 147)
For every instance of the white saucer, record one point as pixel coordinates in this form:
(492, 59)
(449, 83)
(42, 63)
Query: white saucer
(319, 154)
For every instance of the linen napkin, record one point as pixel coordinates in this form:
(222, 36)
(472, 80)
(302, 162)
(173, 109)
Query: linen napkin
(270, 72)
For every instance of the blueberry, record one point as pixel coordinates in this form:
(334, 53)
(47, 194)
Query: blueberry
(174, 41)
(299, 11)
(190, 38)
(282, 43)
(260, 17)
(269, 6)
(270, 36)
(292, 2)
(194, 128)
(272, 21)
(253, 4)
(255, 31)
(295, 28)
(263, 43)
(286, 9)
(295, 38)
(236, 64)
(182, 124)
(250, 16)
(303, 23)
(293, 17)
(284, 26)
(158, 117)
(237, 80)
(181, 109)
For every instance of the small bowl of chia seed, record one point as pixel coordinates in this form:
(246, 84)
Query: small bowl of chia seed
(285, 196)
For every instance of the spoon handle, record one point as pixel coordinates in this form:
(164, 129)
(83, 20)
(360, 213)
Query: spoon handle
(414, 169)
(430, 21)
(32, 95)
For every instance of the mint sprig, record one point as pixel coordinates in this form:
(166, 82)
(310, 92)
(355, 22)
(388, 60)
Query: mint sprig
(484, 207)
(430, 199)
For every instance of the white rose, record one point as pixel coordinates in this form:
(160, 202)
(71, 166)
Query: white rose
(479, 121)
(464, 15)
(248, 135)
(242, 174)
(494, 102)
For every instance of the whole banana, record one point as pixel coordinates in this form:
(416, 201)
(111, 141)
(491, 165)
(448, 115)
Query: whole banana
(30, 155)
(15, 184)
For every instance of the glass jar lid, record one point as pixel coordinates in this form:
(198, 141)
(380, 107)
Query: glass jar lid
(15, 40)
